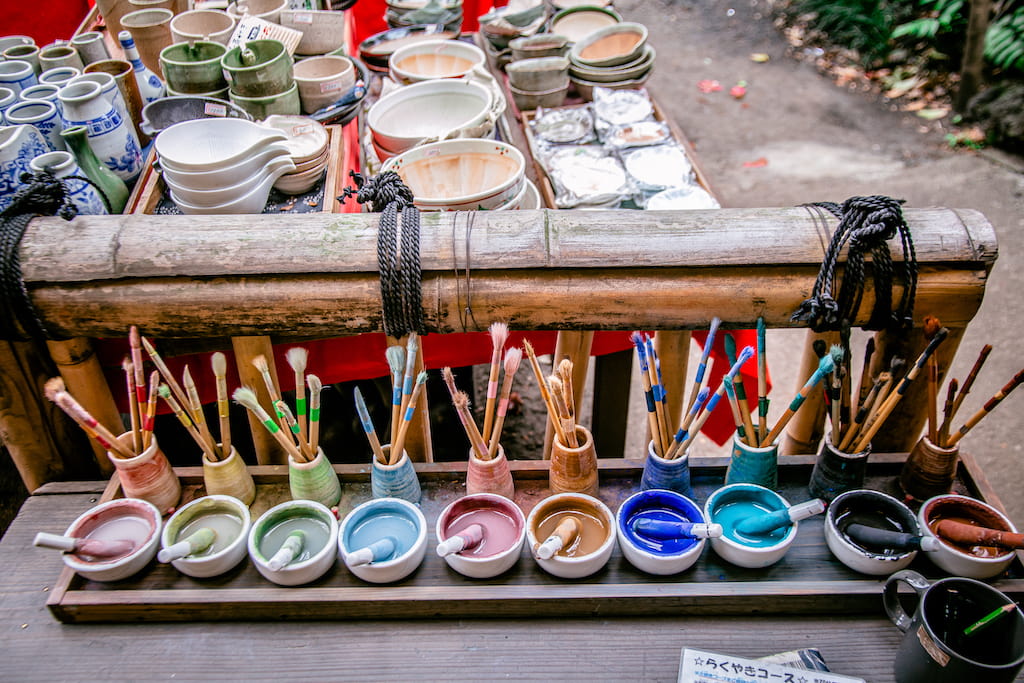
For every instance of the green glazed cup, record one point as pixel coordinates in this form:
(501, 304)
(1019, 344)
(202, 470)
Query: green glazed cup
(262, 107)
(194, 68)
(316, 480)
(262, 69)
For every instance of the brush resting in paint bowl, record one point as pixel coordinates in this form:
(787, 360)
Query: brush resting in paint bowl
(198, 541)
(88, 547)
(467, 539)
(759, 524)
(378, 551)
(874, 538)
(661, 529)
(562, 537)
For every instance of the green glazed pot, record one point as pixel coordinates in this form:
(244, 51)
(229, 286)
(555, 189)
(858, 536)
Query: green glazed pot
(262, 69)
(194, 68)
(316, 480)
(259, 108)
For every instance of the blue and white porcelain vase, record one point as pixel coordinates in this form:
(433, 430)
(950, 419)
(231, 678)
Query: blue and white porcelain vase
(110, 91)
(111, 137)
(84, 195)
(150, 86)
(19, 145)
(41, 114)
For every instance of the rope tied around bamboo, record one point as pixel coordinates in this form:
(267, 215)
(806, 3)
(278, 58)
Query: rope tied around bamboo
(400, 272)
(866, 223)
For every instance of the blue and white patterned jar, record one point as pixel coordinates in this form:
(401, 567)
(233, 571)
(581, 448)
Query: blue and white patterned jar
(109, 90)
(150, 86)
(7, 98)
(19, 145)
(43, 91)
(40, 114)
(84, 195)
(17, 75)
(110, 136)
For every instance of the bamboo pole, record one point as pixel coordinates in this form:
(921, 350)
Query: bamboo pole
(575, 346)
(268, 450)
(673, 348)
(806, 428)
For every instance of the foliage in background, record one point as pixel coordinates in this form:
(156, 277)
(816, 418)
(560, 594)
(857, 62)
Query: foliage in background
(1004, 42)
(861, 25)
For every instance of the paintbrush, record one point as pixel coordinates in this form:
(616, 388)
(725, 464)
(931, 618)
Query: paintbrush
(184, 419)
(864, 410)
(513, 357)
(645, 380)
(837, 354)
(461, 402)
(219, 363)
(698, 423)
(298, 358)
(865, 385)
(931, 327)
(947, 408)
(968, 383)
(889, 378)
(986, 409)
(545, 390)
(684, 426)
(844, 371)
(138, 365)
(263, 367)
(315, 387)
(565, 371)
(499, 335)
(412, 347)
(150, 420)
(410, 410)
(396, 364)
(762, 382)
(568, 424)
(371, 433)
(894, 397)
(165, 372)
(134, 413)
(703, 365)
(658, 390)
(293, 427)
(195, 411)
(753, 438)
(55, 391)
(741, 432)
(246, 397)
(825, 366)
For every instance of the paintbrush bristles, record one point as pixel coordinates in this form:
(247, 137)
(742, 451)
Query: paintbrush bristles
(219, 363)
(513, 358)
(246, 397)
(315, 387)
(297, 358)
(499, 337)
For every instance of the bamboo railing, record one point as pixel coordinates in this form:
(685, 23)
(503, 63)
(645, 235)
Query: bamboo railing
(315, 275)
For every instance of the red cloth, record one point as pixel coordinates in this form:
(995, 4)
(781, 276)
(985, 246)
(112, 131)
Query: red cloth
(368, 17)
(44, 21)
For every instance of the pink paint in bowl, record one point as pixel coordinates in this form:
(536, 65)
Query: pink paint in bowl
(497, 528)
(129, 519)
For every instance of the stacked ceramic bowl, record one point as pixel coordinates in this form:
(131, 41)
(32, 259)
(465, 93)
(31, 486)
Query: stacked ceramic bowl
(194, 69)
(307, 143)
(430, 59)
(614, 57)
(463, 175)
(261, 78)
(222, 166)
(540, 82)
(416, 12)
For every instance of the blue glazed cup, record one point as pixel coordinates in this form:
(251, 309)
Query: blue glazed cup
(672, 475)
(395, 481)
(751, 465)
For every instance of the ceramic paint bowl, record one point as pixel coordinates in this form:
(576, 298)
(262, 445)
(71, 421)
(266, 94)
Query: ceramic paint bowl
(974, 562)
(589, 551)
(728, 505)
(379, 519)
(658, 556)
(504, 534)
(269, 532)
(874, 509)
(228, 517)
(115, 520)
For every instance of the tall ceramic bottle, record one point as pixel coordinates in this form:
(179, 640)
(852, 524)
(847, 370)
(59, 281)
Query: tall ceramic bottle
(112, 138)
(150, 86)
(95, 170)
(62, 164)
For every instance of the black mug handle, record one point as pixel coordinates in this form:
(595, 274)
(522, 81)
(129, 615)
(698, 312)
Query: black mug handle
(890, 596)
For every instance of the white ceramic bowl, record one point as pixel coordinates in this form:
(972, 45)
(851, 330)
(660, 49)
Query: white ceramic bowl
(432, 109)
(852, 554)
(296, 573)
(399, 566)
(576, 23)
(610, 46)
(143, 513)
(305, 138)
(228, 175)
(740, 554)
(955, 559)
(430, 59)
(322, 30)
(461, 175)
(211, 144)
(488, 565)
(224, 195)
(251, 203)
(323, 80)
(297, 183)
(644, 556)
(225, 559)
(582, 565)
(317, 161)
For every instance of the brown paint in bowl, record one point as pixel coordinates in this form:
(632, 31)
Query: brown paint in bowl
(594, 527)
(966, 511)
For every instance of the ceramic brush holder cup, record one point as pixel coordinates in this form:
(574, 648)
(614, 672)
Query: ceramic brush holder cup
(315, 480)
(574, 470)
(929, 470)
(148, 475)
(229, 477)
(489, 476)
(836, 471)
(751, 465)
(672, 475)
(395, 481)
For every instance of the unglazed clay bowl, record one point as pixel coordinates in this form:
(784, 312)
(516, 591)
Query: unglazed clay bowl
(610, 46)
(960, 560)
(119, 519)
(375, 520)
(875, 509)
(323, 80)
(576, 23)
(230, 546)
(504, 534)
(543, 73)
(752, 552)
(268, 533)
(432, 59)
(589, 552)
(203, 24)
(661, 557)
(322, 30)
(539, 45)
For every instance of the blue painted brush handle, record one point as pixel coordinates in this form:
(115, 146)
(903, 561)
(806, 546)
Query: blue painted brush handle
(667, 529)
(770, 521)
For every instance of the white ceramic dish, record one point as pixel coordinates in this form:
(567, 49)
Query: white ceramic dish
(296, 573)
(297, 183)
(643, 558)
(322, 30)
(123, 567)
(950, 557)
(305, 138)
(461, 175)
(400, 565)
(491, 564)
(231, 193)
(740, 554)
(432, 109)
(430, 59)
(251, 203)
(610, 46)
(316, 161)
(211, 144)
(216, 563)
(852, 554)
(228, 175)
(582, 565)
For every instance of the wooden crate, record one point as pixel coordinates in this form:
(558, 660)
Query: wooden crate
(807, 580)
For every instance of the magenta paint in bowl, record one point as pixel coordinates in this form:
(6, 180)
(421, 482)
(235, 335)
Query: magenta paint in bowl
(131, 519)
(491, 530)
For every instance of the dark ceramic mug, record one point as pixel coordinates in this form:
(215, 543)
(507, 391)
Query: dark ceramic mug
(935, 647)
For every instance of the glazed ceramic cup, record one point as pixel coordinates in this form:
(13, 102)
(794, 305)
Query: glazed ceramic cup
(574, 470)
(323, 80)
(313, 558)
(836, 471)
(874, 509)
(929, 470)
(583, 554)
(314, 480)
(229, 477)
(960, 560)
(193, 67)
(9, 97)
(490, 476)
(60, 75)
(148, 475)
(498, 545)
(41, 114)
(24, 53)
(91, 47)
(227, 516)
(263, 70)
(750, 465)
(383, 540)
(17, 75)
(936, 646)
(395, 481)
(52, 56)
(118, 519)
(728, 505)
(286, 103)
(650, 553)
(660, 473)
(202, 24)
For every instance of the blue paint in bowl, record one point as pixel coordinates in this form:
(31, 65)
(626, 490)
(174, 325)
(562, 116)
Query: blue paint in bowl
(383, 519)
(731, 504)
(661, 506)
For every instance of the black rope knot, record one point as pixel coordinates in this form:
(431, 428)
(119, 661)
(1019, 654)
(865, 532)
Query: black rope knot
(866, 224)
(400, 273)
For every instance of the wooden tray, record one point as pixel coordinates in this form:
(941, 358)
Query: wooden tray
(807, 580)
